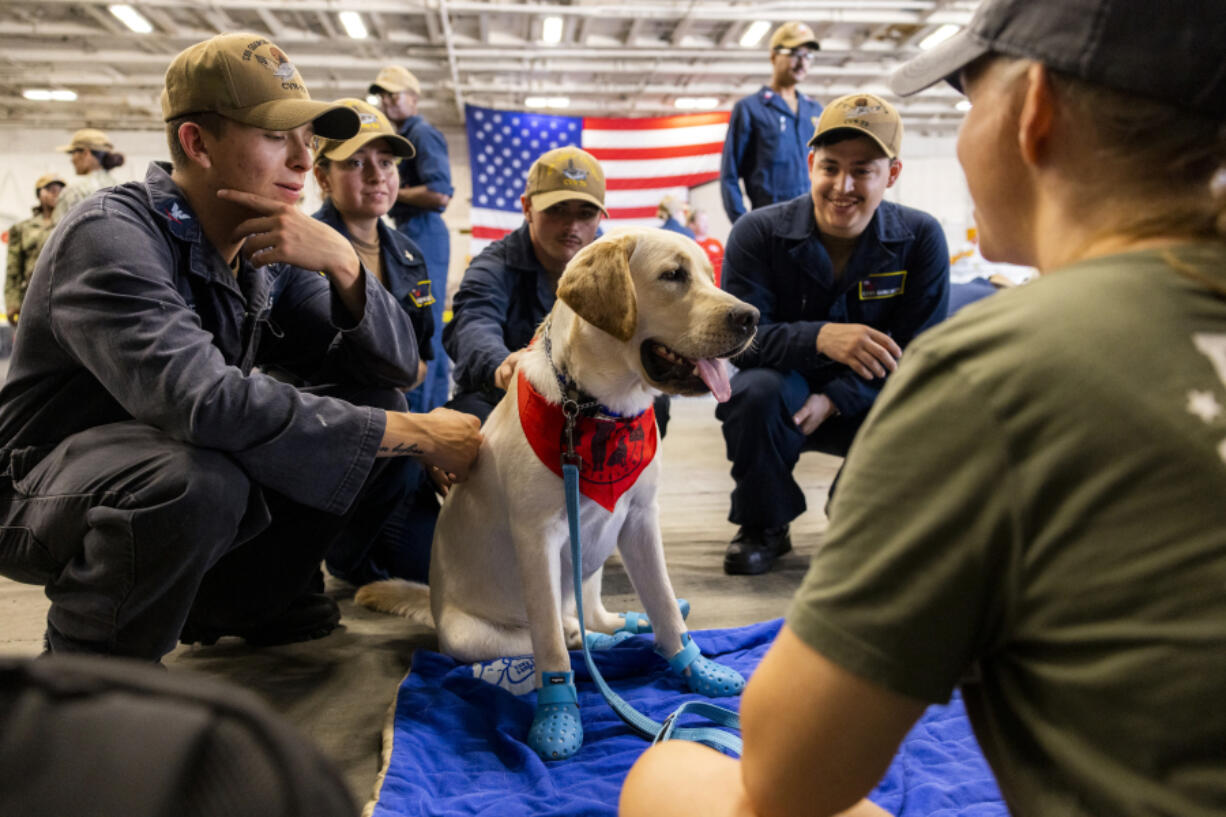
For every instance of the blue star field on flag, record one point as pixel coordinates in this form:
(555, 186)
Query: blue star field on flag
(503, 145)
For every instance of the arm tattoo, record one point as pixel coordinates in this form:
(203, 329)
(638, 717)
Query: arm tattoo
(402, 450)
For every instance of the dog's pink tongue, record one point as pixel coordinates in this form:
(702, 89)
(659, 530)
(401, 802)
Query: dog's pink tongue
(715, 374)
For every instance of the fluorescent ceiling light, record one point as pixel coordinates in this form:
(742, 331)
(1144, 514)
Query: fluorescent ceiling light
(696, 103)
(963, 105)
(44, 95)
(754, 34)
(352, 21)
(551, 30)
(939, 36)
(547, 101)
(131, 18)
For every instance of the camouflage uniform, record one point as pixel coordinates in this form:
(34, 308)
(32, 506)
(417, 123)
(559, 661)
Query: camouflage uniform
(26, 239)
(81, 189)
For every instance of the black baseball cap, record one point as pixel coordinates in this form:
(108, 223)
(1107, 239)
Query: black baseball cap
(1172, 51)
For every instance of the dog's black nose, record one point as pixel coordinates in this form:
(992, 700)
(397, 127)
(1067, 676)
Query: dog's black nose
(743, 319)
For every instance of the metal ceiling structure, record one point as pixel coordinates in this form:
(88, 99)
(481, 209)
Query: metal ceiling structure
(625, 58)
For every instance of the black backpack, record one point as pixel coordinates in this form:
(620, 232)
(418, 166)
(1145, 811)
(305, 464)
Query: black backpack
(102, 737)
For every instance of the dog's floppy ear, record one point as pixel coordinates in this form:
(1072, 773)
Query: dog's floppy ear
(598, 286)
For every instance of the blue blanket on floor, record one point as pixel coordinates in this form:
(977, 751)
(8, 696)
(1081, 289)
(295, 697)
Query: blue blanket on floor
(458, 747)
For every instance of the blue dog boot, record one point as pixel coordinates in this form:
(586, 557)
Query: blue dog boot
(705, 676)
(557, 732)
(601, 641)
(638, 623)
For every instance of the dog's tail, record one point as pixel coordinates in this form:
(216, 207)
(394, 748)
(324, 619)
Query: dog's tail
(398, 597)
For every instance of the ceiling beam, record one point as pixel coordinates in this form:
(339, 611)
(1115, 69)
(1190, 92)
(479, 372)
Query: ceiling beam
(457, 90)
(617, 57)
(681, 30)
(162, 21)
(107, 20)
(581, 59)
(325, 22)
(274, 27)
(217, 18)
(813, 11)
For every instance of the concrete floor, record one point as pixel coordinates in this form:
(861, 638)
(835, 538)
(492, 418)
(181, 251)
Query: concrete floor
(337, 689)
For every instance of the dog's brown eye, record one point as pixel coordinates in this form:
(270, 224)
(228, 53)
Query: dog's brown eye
(678, 274)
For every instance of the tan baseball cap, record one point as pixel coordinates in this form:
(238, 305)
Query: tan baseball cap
(790, 35)
(88, 139)
(246, 78)
(395, 79)
(674, 206)
(866, 113)
(565, 174)
(374, 126)
(47, 180)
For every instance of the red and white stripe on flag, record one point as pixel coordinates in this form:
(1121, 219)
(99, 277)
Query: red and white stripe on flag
(644, 160)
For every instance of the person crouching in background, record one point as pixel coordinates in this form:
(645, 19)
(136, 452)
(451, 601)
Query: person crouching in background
(358, 178)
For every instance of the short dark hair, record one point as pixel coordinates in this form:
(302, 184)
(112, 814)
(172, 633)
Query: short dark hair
(211, 123)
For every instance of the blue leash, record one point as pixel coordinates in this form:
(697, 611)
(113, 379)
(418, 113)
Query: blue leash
(645, 726)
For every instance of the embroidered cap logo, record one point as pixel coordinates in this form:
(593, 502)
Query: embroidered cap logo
(574, 173)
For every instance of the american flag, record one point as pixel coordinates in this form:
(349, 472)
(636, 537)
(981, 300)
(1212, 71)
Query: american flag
(644, 160)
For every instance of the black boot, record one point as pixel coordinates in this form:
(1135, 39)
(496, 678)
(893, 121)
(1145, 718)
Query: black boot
(754, 550)
(310, 616)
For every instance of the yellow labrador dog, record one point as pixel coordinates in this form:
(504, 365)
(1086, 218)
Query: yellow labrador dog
(637, 313)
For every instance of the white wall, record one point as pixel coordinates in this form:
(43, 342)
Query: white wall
(931, 180)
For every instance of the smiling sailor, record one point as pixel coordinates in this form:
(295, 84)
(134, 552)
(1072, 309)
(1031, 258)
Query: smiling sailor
(844, 280)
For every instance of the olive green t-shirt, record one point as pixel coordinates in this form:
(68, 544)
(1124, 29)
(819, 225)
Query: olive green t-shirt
(1035, 509)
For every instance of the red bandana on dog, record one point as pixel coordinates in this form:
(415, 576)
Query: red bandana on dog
(612, 452)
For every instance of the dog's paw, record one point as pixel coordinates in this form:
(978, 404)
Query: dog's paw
(635, 623)
(572, 633)
(702, 675)
(557, 731)
(601, 641)
(713, 680)
(398, 597)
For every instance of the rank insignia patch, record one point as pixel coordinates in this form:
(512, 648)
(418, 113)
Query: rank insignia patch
(422, 294)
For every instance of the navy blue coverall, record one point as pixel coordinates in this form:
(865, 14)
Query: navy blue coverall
(767, 146)
(402, 548)
(430, 167)
(149, 469)
(897, 281)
